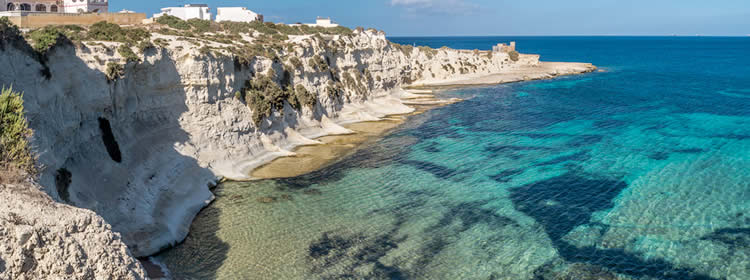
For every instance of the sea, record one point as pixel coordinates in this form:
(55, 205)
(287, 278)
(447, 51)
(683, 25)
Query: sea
(638, 171)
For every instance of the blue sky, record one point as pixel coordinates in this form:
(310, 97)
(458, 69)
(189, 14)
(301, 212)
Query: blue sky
(499, 17)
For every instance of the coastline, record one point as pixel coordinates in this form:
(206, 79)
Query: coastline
(419, 96)
(327, 149)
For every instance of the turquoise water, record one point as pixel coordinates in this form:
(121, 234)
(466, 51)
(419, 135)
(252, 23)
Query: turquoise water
(638, 172)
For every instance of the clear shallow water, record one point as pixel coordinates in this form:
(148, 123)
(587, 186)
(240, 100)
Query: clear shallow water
(639, 172)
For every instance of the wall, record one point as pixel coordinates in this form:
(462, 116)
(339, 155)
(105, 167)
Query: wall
(36, 20)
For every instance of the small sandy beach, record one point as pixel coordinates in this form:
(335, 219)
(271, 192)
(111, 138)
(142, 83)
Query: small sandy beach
(309, 158)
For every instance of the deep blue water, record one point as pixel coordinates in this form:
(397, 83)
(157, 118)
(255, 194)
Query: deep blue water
(641, 171)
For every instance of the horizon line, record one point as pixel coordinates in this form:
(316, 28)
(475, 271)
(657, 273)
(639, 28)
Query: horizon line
(575, 35)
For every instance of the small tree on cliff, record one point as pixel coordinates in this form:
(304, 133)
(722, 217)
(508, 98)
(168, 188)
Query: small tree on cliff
(14, 133)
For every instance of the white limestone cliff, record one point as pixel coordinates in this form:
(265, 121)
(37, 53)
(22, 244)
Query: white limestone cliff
(142, 151)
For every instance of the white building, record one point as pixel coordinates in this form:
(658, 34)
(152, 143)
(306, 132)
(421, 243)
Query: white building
(199, 11)
(323, 22)
(320, 22)
(56, 6)
(239, 14)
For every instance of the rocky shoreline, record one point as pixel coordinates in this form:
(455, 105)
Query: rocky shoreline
(143, 150)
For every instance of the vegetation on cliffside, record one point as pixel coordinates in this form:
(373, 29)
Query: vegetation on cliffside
(264, 95)
(15, 153)
(247, 44)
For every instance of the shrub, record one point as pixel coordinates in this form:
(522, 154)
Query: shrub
(173, 22)
(161, 42)
(145, 46)
(429, 52)
(114, 71)
(205, 50)
(263, 95)
(201, 25)
(406, 49)
(8, 31)
(296, 63)
(14, 133)
(46, 38)
(334, 90)
(104, 31)
(126, 52)
(280, 37)
(514, 55)
(304, 96)
(235, 27)
(318, 63)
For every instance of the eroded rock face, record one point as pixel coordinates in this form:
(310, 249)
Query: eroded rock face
(141, 151)
(43, 239)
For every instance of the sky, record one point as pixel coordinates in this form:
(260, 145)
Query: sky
(498, 17)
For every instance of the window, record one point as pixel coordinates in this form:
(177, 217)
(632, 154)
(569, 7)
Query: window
(24, 7)
(40, 8)
(53, 8)
(11, 7)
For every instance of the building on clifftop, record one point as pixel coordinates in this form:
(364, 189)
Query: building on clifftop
(55, 6)
(320, 22)
(504, 48)
(189, 11)
(239, 14)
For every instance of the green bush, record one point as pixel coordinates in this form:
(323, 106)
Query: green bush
(114, 71)
(126, 52)
(104, 31)
(514, 55)
(318, 63)
(202, 25)
(8, 31)
(405, 49)
(161, 42)
(14, 132)
(173, 22)
(304, 96)
(145, 46)
(205, 50)
(46, 38)
(263, 95)
(235, 27)
(296, 63)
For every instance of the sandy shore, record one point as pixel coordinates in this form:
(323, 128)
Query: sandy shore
(309, 158)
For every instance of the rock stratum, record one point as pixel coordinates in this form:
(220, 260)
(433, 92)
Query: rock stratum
(143, 150)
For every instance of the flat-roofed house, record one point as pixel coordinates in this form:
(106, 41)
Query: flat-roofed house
(239, 14)
(189, 11)
(320, 22)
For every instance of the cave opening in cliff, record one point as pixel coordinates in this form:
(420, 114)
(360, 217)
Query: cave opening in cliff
(109, 140)
(63, 178)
